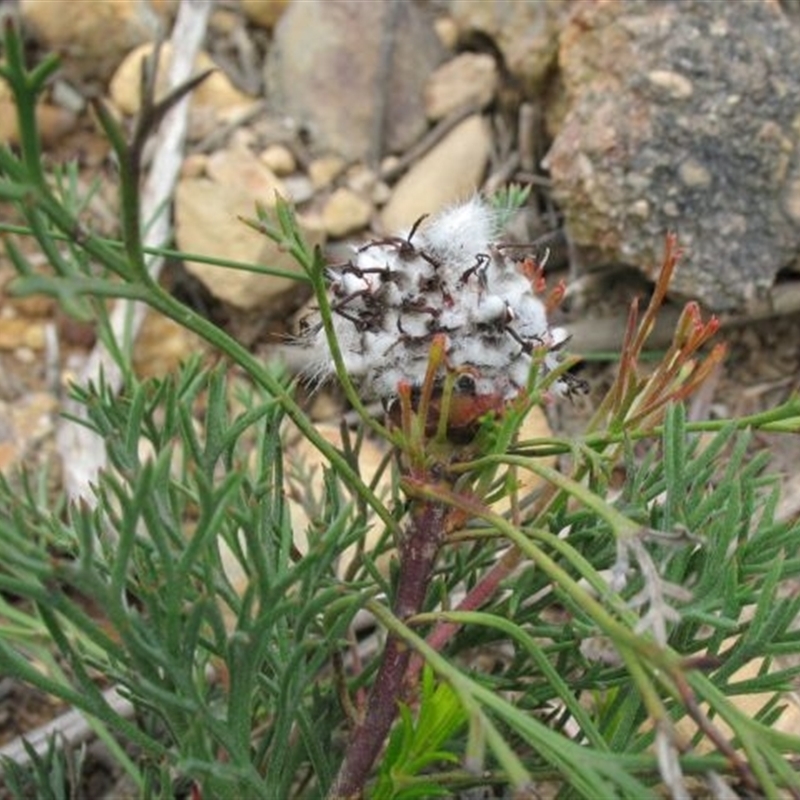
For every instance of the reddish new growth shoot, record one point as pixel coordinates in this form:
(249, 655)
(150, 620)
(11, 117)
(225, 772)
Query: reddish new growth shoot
(639, 401)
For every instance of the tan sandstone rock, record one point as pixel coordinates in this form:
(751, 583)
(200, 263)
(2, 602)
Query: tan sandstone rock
(451, 171)
(92, 37)
(214, 101)
(208, 220)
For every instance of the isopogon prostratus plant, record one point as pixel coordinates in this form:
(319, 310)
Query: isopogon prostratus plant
(452, 276)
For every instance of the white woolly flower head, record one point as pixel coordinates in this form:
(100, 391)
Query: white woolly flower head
(448, 276)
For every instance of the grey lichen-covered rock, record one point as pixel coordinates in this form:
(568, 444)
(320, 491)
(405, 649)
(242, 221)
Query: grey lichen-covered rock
(328, 70)
(685, 117)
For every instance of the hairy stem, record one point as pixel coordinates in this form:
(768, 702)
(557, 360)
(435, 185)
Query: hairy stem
(418, 552)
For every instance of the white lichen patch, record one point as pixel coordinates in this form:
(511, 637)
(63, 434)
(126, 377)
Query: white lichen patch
(450, 276)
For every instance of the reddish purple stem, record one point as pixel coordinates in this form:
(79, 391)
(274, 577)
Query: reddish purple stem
(418, 553)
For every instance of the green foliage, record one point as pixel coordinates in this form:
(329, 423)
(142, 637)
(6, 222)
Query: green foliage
(138, 590)
(418, 744)
(508, 200)
(612, 619)
(52, 775)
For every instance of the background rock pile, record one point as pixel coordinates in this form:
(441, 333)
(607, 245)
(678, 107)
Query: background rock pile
(643, 118)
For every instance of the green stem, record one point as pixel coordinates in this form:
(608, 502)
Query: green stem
(16, 666)
(621, 525)
(25, 87)
(167, 305)
(618, 631)
(170, 252)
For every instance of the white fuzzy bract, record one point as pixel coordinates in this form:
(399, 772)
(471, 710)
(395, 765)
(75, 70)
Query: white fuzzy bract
(450, 277)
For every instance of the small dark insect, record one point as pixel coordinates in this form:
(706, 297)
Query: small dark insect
(465, 384)
(573, 385)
